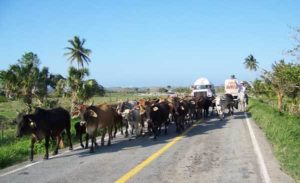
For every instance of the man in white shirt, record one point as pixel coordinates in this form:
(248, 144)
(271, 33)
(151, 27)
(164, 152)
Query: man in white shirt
(242, 88)
(209, 93)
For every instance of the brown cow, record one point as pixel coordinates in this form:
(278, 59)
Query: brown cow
(98, 117)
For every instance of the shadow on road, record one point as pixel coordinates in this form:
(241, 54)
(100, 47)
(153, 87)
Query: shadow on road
(120, 143)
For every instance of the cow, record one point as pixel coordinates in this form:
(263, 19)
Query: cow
(123, 109)
(45, 124)
(118, 122)
(224, 102)
(159, 115)
(98, 117)
(80, 128)
(203, 104)
(134, 121)
(192, 113)
(180, 112)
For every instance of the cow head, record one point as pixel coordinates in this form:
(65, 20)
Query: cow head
(25, 124)
(90, 113)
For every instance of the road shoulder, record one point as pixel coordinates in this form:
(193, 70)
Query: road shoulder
(272, 164)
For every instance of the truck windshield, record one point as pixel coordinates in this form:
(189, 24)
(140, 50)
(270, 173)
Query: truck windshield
(199, 87)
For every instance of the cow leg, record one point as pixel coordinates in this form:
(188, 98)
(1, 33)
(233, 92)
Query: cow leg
(116, 130)
(87, 141)
(166, 128)
(80, 139)
(47, 138)
(103, 135)
(132, 128)
(109, 137)
(92, 149)
(155, 129)
(69, 137)
(126, 131)
(58, 139)
(33, 140)
(159, 129)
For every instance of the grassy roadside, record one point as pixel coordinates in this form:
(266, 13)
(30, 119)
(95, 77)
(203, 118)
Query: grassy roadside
(283, 131)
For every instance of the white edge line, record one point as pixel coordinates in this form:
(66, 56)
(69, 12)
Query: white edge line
(18, 169)
(51, 157)
(260, 158)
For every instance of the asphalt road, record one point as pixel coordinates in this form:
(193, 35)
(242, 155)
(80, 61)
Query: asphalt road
(212, 151)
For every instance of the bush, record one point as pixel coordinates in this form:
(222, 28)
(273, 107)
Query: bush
(3, 98)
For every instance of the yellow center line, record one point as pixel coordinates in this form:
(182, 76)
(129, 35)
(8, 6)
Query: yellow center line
(155, 155)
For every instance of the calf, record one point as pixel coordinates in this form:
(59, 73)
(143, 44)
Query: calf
(80, 128)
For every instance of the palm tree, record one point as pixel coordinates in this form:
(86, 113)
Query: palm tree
(77, 52)
(75, 82)
(251, 63)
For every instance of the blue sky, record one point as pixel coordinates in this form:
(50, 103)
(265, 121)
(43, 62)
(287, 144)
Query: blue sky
(151, 43)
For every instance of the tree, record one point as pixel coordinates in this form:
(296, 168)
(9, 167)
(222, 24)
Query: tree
(77, 52)
(251, 63)
(162, 90)
(183, 90)
(88, 89)
(24, 80)
(278, 80)
(295, 52)
(42, 82)
(260, 87)
(60, 87)
(75, 81)
(291, 74)
(54, 79)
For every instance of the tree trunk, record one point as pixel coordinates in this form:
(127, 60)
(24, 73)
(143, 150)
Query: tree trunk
(73, 102)
(279, 100)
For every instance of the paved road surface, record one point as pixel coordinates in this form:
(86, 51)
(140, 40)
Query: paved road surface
(213, 151)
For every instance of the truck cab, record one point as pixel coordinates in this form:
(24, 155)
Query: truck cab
(202, 87)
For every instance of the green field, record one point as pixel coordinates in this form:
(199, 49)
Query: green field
(283, 131)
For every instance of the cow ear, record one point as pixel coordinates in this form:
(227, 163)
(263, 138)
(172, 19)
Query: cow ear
(93, 113)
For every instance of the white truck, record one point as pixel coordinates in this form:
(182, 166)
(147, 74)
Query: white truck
(202, 87)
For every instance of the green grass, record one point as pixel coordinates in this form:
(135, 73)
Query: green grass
(14, 150)
(283, 131)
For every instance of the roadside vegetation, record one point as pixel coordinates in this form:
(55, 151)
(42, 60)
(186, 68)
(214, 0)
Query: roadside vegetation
(283, 131)
(275, 106)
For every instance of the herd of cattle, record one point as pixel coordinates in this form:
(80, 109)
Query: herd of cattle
(139, 116)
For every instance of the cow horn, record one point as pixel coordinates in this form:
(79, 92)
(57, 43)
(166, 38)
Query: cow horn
(92, 103)
(93, 113)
